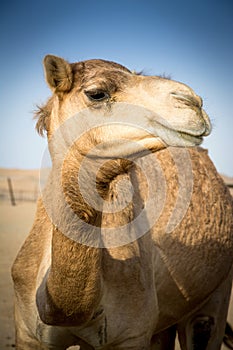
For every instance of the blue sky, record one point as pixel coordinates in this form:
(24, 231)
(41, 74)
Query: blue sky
(190, 40)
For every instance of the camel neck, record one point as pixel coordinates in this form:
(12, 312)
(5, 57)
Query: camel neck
(71, 289)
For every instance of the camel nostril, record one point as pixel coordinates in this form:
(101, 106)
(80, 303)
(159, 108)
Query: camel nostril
(187, 99)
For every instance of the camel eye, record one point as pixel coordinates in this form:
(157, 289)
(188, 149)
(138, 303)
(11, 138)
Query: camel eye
(97, 95)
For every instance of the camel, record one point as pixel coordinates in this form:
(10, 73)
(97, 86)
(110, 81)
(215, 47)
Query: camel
(133, 235)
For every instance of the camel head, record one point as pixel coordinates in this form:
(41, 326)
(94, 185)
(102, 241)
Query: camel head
(123, 111)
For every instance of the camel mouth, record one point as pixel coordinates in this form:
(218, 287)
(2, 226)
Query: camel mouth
(182, 139)
(196, 140)
(178, 138)
(189, 135)
(197, 133)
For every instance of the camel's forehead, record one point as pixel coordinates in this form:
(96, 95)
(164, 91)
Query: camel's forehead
(114, 77)
(100, 64)
(101, 72)
(110, 71)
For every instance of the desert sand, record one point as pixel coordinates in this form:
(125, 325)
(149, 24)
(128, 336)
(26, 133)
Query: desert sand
(15, 223)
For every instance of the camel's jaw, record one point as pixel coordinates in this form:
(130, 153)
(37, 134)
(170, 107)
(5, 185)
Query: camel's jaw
(128, 142)
(121, 140)
(127, 146)
(130, 130)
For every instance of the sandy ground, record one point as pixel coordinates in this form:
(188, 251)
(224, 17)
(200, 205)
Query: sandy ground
(15, 223)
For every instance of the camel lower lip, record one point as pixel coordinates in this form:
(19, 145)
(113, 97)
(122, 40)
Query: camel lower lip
(197, 140)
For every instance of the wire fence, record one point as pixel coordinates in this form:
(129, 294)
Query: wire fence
(19, 187)
(19, 196)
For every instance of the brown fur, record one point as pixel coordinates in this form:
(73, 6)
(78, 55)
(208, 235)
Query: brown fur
(132, 296)
(42, 116)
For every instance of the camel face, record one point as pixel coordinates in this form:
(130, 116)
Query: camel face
(124, 112)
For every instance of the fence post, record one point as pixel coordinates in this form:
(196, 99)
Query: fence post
(12, 197)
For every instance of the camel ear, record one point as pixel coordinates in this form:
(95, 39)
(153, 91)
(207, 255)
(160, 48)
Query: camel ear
(58, 73)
